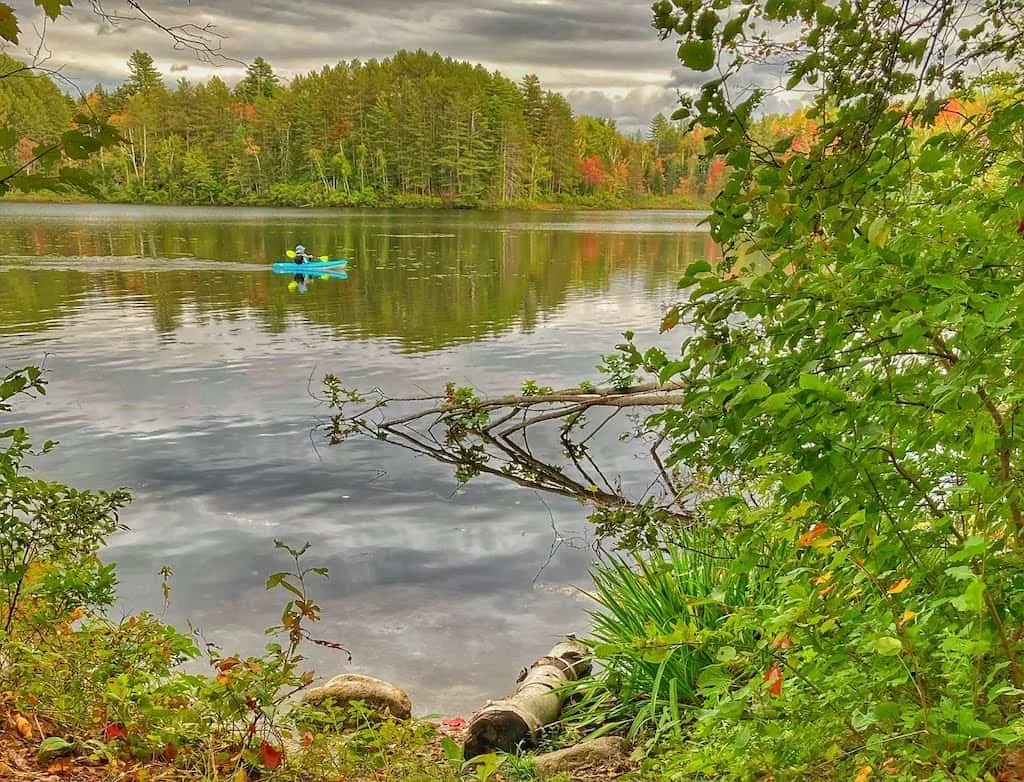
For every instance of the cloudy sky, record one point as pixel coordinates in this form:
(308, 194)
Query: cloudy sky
(602, 54)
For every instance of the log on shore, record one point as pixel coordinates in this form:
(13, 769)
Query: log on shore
(505, 724)
(383, 699)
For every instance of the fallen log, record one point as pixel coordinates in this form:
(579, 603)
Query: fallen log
(607, 751)
(505, 724)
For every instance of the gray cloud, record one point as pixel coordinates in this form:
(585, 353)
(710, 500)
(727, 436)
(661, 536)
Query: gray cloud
(632, 109)
(584, 49)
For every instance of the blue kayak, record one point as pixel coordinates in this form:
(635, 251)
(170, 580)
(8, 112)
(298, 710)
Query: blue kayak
(322, 274)
(310, 267)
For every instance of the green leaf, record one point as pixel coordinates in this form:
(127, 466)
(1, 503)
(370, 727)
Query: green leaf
(819, 385)
(974, 546)
(53, 7)
(8, 138)
(931, 159)
(887, 646)
(52, 747)
(484, 766)
(726, 654)
(945, 282)
(797, 482)
(693, 273)
(812, 383)
(776, 403)
(8, 24)
(973, 598)
(960, 573)
(732, 29)
(46, 155)
(887, 711)
(706, 24)
(878, 231)
(697, 55)
(753, 393)
(452, 752)
(108, 136)
(713, 679)
(77, 145)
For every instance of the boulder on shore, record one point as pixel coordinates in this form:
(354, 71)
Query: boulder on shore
(383, 699)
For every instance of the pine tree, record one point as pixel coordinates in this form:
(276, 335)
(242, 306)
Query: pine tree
(144, 75)
(260, 81)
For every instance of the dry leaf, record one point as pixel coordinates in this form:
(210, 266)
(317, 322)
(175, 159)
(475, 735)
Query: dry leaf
(782, 642)
(899, 586)
(22, 725)
(62, 766)
(5, 770)
(864, 774)
(240, 776)
(226, 664)
(812, 534)
(907, 616)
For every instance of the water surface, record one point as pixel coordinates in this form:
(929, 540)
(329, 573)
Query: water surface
(182, 368)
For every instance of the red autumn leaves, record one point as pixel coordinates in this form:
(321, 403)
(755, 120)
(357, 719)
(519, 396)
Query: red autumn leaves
(113, 731)
(773, 678)
(270, 755)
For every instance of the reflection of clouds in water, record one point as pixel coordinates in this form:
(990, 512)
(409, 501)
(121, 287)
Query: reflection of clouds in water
(209, 423)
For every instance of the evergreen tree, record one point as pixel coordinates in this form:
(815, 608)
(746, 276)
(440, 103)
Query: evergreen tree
(260, 81)
(144, 75)
(533, 106)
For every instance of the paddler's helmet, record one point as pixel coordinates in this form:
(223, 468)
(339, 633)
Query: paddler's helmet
(299, 248)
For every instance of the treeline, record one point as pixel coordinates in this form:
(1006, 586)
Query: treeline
(417, 128)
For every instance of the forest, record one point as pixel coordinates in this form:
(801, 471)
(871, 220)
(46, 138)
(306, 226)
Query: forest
(413, 129)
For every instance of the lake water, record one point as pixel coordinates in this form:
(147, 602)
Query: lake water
(180, 367)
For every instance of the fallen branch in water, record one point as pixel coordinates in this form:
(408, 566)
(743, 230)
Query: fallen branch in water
(492, 436)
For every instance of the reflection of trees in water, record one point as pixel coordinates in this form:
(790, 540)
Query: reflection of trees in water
(408, 280)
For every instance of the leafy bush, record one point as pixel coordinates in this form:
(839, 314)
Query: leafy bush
(853, 378)
(49, 532)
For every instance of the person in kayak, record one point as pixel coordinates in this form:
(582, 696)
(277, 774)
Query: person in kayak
(301, 256)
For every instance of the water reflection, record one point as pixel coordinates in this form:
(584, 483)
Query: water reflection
(179, 366)
(427, 288)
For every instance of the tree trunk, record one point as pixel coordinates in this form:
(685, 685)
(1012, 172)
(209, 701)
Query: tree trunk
(505, 724)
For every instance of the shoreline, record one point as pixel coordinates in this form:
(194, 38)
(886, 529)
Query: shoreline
(655, 205)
